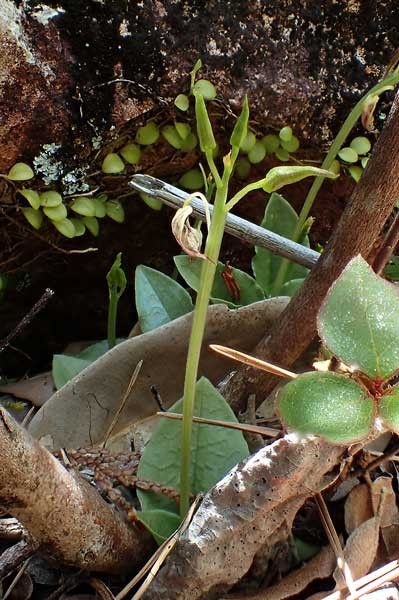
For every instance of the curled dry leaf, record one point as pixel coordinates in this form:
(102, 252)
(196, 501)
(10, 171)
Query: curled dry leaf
(319, 567)
(188, 238)
(383, 499)
(358, 507)
(360, 551)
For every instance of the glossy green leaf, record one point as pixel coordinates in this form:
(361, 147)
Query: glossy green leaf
(359, 322)
(183, 129)
(65, 227)
(55, 213)
(115, 211)
(99, 207)
(159, 299)
(257, 153)
(20, 172)
(330, 405)
(65, 367)
(160, 523)
(148, 134)
(241, 126)
(271, 143)
(388, 409)
(280, 218)
(361, 145)
(278, 177)
(248, 142)
(80, 227)
(192, 180)
(349, 155)
(32, 197)
(153, 203)
(92, 225)
(204, 128)
(50, 198)
(291, 145)
(249, 290)
(291, 287)
(112, 164)
(285, 133)
(205, 88)
(189, 143)
(172, 136)
(131, 153)
(84, 206)
(182, 102)
(34, 217)
(214, 450)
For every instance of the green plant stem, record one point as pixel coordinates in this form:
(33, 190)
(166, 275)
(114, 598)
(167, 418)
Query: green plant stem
(213, 168)
(248, 188)
(111, 325)
(212, 250)
(343, 133)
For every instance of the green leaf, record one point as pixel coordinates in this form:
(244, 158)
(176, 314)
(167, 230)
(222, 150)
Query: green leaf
(249, 290)
(193, 73)
(214, 450)
(112, 163)
(148, 134)
(32, 197)
(241, 126)
(388, 409)
(278, 177)
(326, 404)
(56, 213)
(65, 227)
(115, 211)
(160, 523)
(291, 287)
(392, 268)
(153, 203)
(280, 218)
(182, 102)
(159, 299)
(359, 322)
(131, 153)
(92, 225)
(205, 88)
(34, 217)
(50, 199)
(204, 128)
(65, 367)
(172, 136)
(20, 172)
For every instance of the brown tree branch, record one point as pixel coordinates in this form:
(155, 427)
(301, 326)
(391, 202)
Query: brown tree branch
(370, 206)
(66, 517)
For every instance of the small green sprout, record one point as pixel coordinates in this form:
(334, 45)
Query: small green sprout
(116, 280)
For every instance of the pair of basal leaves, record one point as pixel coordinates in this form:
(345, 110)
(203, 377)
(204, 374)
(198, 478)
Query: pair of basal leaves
(359, 323)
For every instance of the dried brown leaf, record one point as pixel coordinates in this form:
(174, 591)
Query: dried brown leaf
(384, 499)
(36, 389)
(319, 567)
(360, 550)
(358, 507)
(188, 238)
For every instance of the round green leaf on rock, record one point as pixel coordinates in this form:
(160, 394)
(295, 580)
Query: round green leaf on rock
(248, 142)
(183, 129)
(358, 320)
(34, 217)
(55, 213)
(84, 206)
(189, 143)
(112, 164)
(20, 172)
(257, 153)
(131, 153)
(65, 227)
(388, 409)
(148, 134)
(50, 198)
(182, 102)
(32, 197)
(361, 145)
(205, 88)
(285, 133)
(192, 180)
(271, 142)
(326, 404)
(349, 155)
(172, 136)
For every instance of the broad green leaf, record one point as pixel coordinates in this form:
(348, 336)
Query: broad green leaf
(160, 523)
(280, 218)
(159, 299)
(326, 404)
(65, 367)
(31, 196)
(359, 323)
(20, 172)
(388, 409)
(249, 290)
(291, 287)
(278, 177)
(214, 450)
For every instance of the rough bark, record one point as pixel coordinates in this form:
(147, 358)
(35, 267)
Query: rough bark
(370, 206)
(65, 516)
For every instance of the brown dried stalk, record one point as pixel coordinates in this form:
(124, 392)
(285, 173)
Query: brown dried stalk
(66, 517)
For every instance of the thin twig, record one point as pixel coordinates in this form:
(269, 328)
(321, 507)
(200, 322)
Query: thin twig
(36, 308)
(154, 563)
(239, 426)
(132, 381)
(369, 582)
(388, 246)
(16, 578)
(252, 361)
